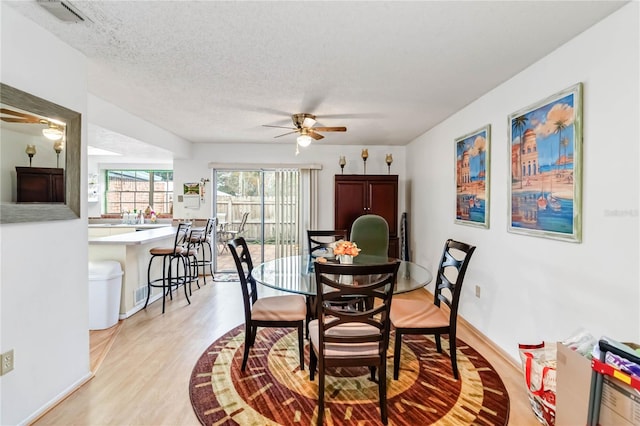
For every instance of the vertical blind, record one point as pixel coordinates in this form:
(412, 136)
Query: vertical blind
(287, 212)
(296, 209)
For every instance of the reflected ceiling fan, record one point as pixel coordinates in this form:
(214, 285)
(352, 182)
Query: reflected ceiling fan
(304, 123)
(53, 131)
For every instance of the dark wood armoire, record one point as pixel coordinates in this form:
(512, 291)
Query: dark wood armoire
(40, 185)
(356, 195)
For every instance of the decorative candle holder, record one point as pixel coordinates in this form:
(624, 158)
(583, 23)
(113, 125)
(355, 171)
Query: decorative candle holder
(342, 162)
(389, 159)
(30, 151)
(365, 155)
(57, 147)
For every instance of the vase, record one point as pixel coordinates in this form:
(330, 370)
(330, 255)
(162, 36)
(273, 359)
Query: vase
(346, 259)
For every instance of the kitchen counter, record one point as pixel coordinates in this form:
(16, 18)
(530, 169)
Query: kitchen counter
(151, 234)
(131, 249)
(126, 225)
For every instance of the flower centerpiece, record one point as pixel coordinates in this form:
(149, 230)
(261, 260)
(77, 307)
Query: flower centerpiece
(345, 251)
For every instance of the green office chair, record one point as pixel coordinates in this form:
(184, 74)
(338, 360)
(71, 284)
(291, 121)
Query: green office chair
(371, 233)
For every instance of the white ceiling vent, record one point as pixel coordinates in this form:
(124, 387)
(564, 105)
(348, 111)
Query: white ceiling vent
(63, 11)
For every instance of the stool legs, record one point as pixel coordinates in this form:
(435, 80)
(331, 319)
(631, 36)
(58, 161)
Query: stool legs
(168, 280)
(204, 262)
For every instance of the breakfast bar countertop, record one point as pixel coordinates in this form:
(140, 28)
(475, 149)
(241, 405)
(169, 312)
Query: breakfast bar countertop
(127, 225)
(135, 238)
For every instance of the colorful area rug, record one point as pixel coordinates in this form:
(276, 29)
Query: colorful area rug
(273, 390)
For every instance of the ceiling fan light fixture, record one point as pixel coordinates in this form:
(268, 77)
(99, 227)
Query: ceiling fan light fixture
(52, 133)
(304, 140)
(308, 121)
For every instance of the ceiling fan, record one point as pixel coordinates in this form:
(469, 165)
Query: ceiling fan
(304, 123)
(20, 117)
(53, 131)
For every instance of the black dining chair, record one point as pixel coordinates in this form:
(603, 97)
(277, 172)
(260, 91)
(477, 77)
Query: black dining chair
(415, 313)
(274, 311)
(345, 336)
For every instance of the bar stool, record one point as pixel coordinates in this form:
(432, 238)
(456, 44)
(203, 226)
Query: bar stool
(177, 254)
(195, 241)
(207, 254)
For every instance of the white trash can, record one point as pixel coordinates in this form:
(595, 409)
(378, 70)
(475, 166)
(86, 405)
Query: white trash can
(105, 286)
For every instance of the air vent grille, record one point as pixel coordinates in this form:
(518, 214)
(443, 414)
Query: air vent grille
(140, 295)
(63, 11)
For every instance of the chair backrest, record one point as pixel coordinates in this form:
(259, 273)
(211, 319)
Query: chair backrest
(243, 222)
(318, 239)
(242, 258)
(451, 271)
(196, 237)
(374, 283)
(181, 242)
(371, 233)
(212, 223)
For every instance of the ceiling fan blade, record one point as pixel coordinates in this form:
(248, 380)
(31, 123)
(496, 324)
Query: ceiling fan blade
(13, 120)
(285, 134)
(330, 129)
(279, 127)
(314, 134)
(25, 118)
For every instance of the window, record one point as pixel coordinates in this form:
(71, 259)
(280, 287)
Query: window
(129, 190)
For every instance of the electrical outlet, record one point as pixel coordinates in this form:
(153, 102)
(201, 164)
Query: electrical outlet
(7, 362)
(478, 291)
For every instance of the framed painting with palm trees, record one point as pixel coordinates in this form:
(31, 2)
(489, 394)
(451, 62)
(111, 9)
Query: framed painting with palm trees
(472, 178)
(546, 167)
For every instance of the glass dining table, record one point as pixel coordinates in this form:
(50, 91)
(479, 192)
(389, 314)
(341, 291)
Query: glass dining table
(295, 274)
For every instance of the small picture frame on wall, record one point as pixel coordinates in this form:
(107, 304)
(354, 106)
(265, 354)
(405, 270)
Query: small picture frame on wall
(546, 167)
(472, 177)
(191, 188)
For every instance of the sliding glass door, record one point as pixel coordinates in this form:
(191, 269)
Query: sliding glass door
(260, 205)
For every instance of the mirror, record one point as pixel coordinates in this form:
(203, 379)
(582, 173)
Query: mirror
(58, 158)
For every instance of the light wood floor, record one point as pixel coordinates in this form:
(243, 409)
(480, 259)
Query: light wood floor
(144, 377)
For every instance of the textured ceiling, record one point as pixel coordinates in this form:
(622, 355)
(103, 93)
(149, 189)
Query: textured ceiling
(214, 72)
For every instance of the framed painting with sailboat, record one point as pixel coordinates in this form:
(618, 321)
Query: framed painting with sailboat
(545, 194)
(472, 178)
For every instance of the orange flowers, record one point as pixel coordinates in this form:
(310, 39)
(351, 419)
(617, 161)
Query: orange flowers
(345, 247)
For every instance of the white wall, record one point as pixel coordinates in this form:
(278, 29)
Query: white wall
(318, 153)
(43, 267)
(114, 118)
(536, 288)
(127, 128)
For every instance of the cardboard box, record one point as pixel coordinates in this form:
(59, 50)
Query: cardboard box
(619, 405)
(573, 385)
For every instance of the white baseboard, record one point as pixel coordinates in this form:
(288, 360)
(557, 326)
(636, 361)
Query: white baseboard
(56, 400)
(139, 307)
(497, 349)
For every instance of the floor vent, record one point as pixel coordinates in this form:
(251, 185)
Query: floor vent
(140, 295)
